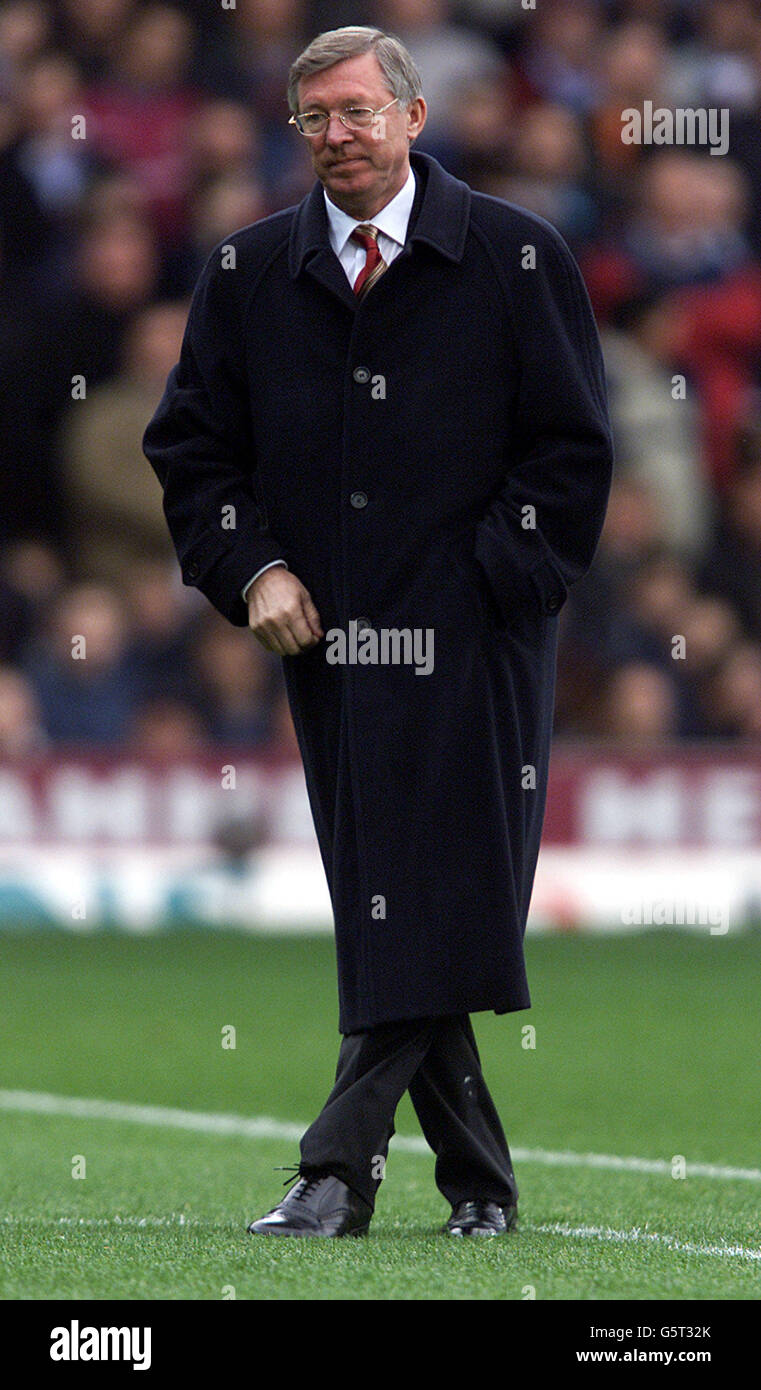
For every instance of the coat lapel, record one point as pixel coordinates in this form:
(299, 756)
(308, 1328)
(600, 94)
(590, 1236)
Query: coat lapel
(440, 218)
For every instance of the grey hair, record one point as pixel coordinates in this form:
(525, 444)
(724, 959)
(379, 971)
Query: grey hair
(335, 45)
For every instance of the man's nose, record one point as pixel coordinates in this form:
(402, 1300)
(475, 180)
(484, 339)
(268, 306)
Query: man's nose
(336, 132)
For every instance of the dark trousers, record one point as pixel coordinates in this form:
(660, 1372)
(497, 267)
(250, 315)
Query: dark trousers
(437, 1060)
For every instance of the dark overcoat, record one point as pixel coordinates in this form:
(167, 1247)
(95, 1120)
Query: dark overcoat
(434, 457)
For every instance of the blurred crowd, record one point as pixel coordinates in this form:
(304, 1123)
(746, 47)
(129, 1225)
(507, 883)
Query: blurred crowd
(186, 139)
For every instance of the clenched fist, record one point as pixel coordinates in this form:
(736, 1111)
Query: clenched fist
(281, 613)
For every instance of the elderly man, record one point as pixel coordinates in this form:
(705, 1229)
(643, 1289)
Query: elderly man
(388, 424)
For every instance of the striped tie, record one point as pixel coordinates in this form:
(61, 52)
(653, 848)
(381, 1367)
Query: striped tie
(367, 235)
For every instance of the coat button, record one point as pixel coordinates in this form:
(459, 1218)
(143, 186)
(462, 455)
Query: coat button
(553, 603)
(359, 499)
(361, 374)
(193, 569)
(363, 623)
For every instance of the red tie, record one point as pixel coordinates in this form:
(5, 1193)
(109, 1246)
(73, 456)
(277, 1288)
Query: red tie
(367, 235)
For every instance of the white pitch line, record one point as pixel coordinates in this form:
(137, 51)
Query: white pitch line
(662, 1166)
(636, 1236)
(81, 1107)
(265, 1127)
(38, 1221)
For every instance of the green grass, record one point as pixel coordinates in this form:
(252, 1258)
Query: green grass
(646, 1046)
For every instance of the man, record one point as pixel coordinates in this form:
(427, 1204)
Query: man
(410, 427)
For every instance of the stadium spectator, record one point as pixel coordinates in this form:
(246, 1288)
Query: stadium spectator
(21, 732)
(451, 59)
(733, 560)
(736, 693)
(116, 274)
(719, 65)
(559, 57)
(165, 729)
(226, 190)
(264, 34)
(660, 592)
(265, 31)
(710, 628)
(549, 171)
(686, 229)
(715, 334)
(31, 579)
(116, 519)
(161, 615)
(78, 669)
(43, 171)
(232, 678)
(48, 169)
(657, 432)
(25, 31)
(225, 203)
(225, 139)
(639, 705)
(91, 30)
(484, 133)
(140, 116)
(56, 165)
(634, 62)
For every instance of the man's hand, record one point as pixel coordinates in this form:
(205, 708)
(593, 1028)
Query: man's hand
(281, 613)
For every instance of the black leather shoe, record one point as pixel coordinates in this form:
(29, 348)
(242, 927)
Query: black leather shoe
(479, 1218)
(316, 1207)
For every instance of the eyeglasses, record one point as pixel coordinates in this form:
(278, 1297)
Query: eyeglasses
(354, 118)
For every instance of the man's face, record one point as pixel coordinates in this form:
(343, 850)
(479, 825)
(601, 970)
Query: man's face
(361, 170)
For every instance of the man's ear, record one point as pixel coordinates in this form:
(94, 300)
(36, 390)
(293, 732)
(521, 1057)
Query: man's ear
(424, 113)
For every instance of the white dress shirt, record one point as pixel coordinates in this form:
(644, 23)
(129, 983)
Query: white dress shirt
(392, 222)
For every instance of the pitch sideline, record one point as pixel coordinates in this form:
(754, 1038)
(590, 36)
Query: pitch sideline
(635, 1236)
(265, 1127)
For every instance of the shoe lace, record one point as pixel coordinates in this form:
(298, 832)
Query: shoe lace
(296, 1175)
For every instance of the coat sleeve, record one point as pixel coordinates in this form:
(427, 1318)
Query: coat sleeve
(199, 443)
(540, 531)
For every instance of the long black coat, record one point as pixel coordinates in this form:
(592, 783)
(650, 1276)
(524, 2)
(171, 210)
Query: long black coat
(465, 390)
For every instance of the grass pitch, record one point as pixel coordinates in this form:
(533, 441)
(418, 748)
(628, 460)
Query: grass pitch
(646, 1048)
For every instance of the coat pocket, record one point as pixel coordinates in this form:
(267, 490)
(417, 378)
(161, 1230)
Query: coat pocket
(470, 571)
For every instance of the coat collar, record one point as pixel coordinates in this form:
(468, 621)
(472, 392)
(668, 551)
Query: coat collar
(442, 220)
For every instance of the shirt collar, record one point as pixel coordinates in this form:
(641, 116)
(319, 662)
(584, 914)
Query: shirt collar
(392, 220)
(443, 222)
